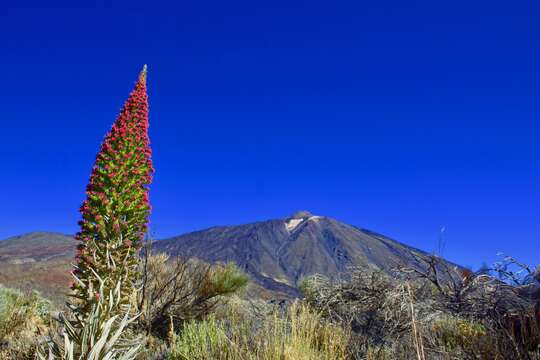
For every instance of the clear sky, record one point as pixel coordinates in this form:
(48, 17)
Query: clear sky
(398, 116)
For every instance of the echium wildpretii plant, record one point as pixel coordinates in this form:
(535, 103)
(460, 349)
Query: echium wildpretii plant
(115, 212)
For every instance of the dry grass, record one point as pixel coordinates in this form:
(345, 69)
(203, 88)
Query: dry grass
(297, 334)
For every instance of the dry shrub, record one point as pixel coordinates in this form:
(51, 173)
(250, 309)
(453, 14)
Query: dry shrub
(497, 303)
(177, 290)
(438, 314)
(23, 316)
(370, 303)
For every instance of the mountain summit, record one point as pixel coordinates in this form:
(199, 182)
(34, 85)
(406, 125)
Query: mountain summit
(303, 214)
(277, 253)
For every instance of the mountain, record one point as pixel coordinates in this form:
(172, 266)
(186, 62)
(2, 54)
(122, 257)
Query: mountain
(277, 253)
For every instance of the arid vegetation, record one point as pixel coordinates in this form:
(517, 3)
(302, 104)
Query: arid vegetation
(440, 313)
(200, 311)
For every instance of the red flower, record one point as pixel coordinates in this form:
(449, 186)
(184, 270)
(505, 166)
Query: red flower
(118, 186)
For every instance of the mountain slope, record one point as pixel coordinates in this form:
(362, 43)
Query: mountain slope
(36, 246)
(277, 253)
(39, 260)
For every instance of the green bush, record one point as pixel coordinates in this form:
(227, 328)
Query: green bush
(227, 279)
(200, 341)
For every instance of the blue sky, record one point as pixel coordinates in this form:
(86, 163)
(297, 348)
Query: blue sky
(398, 116)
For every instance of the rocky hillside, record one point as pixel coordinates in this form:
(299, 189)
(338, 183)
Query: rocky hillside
(39, 260)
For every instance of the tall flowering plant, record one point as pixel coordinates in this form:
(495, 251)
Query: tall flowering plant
(115, 212)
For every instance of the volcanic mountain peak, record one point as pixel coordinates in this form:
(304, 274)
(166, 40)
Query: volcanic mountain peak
(299, 218)
(277, 253)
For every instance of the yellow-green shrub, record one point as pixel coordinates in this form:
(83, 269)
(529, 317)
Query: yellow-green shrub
(22, 318)
(298, 334)
(458, 336)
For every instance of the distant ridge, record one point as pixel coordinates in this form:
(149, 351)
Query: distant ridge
(36, 246)
(38, 261)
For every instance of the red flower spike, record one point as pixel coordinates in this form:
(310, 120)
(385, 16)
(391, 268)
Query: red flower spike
(120, 176)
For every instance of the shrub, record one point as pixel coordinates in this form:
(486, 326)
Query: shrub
(180, 290)
(432, 316)
(465, 339)
(22, 318)
(200, 341)
(373, 305)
